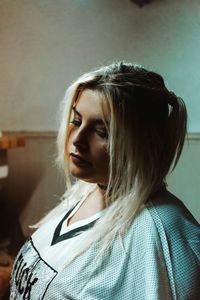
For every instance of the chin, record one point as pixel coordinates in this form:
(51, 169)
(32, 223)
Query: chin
(81, 176)
(84, 177)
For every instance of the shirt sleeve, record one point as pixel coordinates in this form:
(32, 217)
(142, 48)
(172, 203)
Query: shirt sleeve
(147, 271)
(179, 239)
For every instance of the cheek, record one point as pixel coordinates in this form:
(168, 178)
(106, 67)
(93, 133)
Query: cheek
(103, 158)
(104, 167)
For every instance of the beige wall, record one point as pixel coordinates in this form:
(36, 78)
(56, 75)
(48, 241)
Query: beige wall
(185, 179)
(34, 184)
(47, 44)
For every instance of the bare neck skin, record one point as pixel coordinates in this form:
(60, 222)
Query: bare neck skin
(93, 204)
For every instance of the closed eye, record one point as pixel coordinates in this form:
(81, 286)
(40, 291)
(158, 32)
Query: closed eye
(76, 118)
(76, 123)
(102, 133)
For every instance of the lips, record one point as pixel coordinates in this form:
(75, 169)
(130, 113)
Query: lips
(78, 160)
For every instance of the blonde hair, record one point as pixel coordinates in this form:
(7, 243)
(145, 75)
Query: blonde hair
(146, 136)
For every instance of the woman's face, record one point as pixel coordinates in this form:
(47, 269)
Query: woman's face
(87, 143)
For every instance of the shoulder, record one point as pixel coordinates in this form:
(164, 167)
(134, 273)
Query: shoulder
(170, 216)
(166, 214)
(167, 237)
(166, 222)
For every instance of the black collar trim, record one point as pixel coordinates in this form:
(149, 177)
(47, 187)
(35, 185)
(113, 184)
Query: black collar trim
(72, 233)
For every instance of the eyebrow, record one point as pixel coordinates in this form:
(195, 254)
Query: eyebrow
(96, 121)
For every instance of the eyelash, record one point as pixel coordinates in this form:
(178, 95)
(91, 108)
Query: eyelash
(101, 133)
(75, 123)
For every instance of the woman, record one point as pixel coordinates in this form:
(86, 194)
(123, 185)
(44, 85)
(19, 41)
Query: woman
(118, 233)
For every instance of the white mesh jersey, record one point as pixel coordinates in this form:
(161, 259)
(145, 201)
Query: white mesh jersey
(160, 259)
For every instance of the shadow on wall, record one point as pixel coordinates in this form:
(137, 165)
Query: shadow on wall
(32, 181)
(15, 194)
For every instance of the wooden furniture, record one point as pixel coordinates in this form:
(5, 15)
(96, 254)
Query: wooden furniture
(8, 141)
(6, 262)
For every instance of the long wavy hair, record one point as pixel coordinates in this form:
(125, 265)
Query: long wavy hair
(146, 135)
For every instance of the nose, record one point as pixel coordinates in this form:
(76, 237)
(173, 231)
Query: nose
(80, 140)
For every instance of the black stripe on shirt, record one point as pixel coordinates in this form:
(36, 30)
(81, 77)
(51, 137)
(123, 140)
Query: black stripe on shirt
(72, 233)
